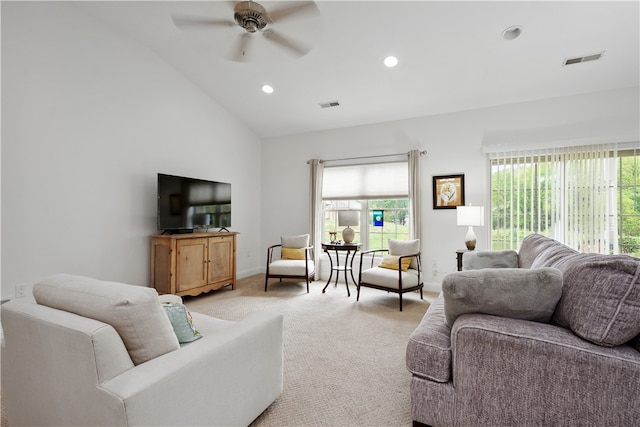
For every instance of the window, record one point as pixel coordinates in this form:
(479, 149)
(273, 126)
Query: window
(629, 202)
(378, 192)
(585, 197)
(385, 219)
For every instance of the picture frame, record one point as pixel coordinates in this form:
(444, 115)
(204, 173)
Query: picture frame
(448, 191)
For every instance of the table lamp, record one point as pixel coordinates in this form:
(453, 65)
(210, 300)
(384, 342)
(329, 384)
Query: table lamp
(470, 216)
(348, 218)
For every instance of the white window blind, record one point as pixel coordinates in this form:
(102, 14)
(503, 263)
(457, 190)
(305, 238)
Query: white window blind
(370, 181)
(564, 193)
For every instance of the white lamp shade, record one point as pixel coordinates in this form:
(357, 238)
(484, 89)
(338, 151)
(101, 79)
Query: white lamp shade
(470, 215)
(347, 218)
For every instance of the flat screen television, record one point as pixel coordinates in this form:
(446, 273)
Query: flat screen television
(188, 204)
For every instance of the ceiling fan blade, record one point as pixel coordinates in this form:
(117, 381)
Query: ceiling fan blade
(238, 52)
(286, 42)
(189, 21)
(297, 8)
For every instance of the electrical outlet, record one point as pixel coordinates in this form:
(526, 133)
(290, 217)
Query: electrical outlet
(21, 291)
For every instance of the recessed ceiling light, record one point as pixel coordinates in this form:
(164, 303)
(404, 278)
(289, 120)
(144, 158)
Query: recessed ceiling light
(512, 32)
(390, 61)
(267, 89)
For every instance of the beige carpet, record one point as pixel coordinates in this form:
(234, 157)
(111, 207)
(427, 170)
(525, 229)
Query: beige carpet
(344, 361)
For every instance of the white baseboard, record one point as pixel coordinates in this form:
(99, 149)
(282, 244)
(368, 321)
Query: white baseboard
(251, 272)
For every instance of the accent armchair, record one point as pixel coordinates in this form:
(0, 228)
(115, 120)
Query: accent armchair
(398, 270)
(295, 261)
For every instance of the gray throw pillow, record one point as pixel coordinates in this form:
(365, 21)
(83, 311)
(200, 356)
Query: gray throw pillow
(507, 292)
(537, 250)
(600, 297)
(475, 260)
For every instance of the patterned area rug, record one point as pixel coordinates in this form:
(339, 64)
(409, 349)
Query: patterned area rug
(344, 360)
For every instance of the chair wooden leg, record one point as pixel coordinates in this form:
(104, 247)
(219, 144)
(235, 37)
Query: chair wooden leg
(400, 301)
(266, 282)
(421, 294)
(307, 284)
(358, 293)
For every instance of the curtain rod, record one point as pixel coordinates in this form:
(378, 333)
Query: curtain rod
(423, 152)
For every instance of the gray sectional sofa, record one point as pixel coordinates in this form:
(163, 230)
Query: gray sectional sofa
(545, 336)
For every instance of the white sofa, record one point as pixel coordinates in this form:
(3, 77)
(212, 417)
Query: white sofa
(63, 368)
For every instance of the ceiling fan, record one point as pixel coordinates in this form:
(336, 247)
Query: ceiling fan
(254, 18)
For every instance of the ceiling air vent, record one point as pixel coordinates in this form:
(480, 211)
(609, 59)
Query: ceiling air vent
(586, 58)
(330, 104)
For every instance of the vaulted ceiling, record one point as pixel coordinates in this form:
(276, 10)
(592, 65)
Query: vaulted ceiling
(452, 55)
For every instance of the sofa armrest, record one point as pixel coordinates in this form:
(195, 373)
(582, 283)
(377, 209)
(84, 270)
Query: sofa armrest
(226, 378)
(54, 357)
(428, 353)
(540, 374)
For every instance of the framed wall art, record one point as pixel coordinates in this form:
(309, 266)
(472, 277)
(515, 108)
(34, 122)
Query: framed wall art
(448, 191)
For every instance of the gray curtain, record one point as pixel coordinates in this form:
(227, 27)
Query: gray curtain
(315, 210)
(415, 201)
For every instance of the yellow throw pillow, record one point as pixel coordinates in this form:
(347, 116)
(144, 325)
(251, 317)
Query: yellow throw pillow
(293, 253)
(391, 261)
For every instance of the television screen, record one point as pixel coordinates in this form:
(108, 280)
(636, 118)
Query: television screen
(186, 204)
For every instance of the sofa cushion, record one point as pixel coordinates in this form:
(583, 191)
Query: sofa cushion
(182, 322)
(301, 241)
(293, 253)
(537, 250)
(600, 297)
(134, 311)
(291, 268)
(405, 247)
(391, 262)
(429, 348)
(388, 278)
(475, 260)
(552, 255)
(508, 292)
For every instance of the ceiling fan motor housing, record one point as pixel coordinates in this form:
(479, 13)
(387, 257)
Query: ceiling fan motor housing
(251, 16)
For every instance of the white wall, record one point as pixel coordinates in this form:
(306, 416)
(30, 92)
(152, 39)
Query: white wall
(454, 145)
(88, 119)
